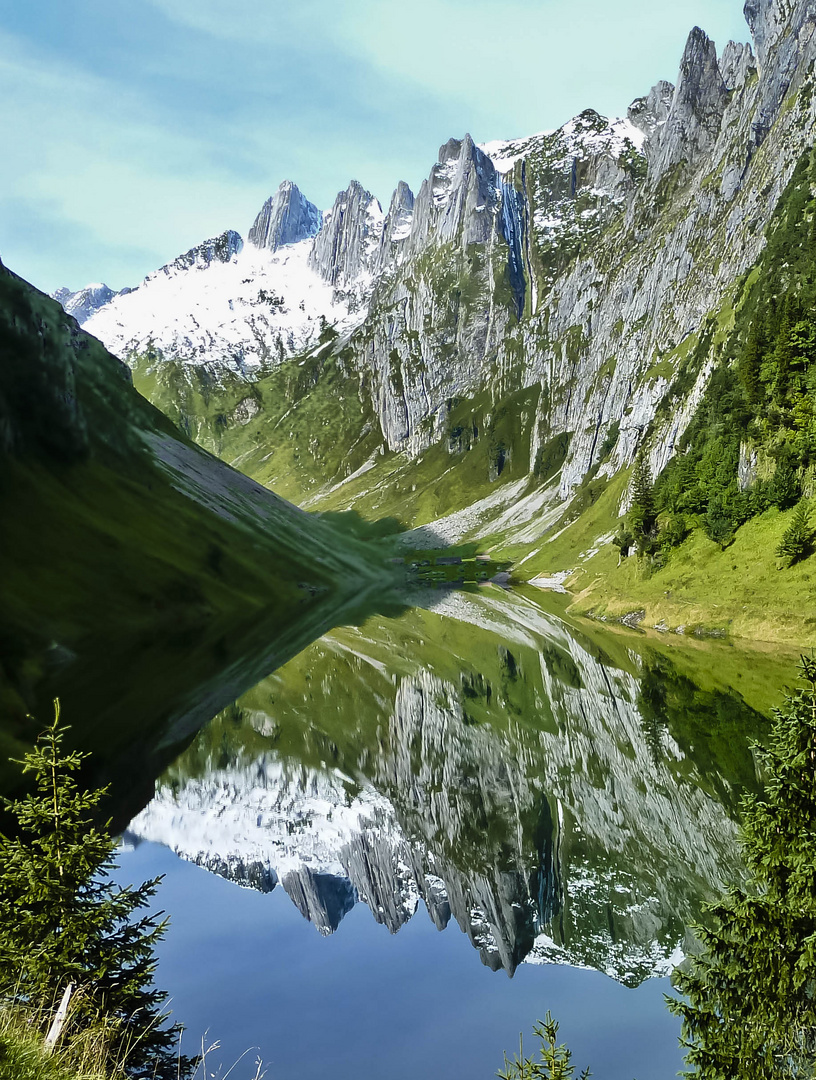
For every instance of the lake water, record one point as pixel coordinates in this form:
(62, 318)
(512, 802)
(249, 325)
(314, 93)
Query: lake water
(402, 848)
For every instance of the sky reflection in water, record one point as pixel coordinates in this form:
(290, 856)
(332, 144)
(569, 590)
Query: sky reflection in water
(557, 797)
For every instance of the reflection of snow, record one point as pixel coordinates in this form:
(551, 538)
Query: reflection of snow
(634, 839)
(265, 813)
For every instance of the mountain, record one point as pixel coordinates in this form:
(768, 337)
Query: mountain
(285, 218)
(485, 359)
(228, 307)
(85, 302)
(122, 538)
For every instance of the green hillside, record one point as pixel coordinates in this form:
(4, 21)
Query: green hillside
(122, 538)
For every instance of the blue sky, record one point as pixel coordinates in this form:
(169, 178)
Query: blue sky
(133, 129)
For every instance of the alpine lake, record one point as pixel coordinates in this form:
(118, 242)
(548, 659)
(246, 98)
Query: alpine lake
(393, 842)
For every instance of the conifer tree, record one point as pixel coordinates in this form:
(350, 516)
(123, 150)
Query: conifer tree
(750, 364)
(642, 516)
(797, 543)
(750, 1010)
(62, 920)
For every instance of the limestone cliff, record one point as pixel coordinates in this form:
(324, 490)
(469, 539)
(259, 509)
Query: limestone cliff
(566, 291)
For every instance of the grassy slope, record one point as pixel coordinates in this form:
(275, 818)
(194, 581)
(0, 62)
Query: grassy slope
(120, 535)
(755, 601)
(739, 590)
(311, 433)
(308, 429)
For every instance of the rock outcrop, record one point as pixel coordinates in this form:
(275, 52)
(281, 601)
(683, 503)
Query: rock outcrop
(287, 217)
(396, 229)
(457, 203)
(345, 250)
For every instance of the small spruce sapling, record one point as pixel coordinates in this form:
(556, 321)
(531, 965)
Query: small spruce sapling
(555, 1063)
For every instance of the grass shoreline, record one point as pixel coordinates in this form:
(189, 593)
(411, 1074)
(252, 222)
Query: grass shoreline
(741, 591)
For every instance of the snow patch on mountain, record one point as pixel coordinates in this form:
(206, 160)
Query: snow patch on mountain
(504, 153)
(577, 135)
(246, 314)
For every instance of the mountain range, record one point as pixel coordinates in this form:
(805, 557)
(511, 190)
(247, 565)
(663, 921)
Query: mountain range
(484, 359)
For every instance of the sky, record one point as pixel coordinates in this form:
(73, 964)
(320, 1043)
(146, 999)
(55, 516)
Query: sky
(132, 130)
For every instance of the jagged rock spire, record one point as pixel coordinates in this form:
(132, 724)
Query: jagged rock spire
(285, 218)
(697, 107)
(769, 20)
(349, 240)
(452, 202)
(397, 227)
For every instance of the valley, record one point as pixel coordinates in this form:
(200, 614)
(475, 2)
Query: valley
(419, 579)
(483, 361)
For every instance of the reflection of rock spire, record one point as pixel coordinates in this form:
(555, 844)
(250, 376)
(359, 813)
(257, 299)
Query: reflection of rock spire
(321, 898)
(461, 793)
(523, 799)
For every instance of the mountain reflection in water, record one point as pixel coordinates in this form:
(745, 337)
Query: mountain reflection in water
(562, 801)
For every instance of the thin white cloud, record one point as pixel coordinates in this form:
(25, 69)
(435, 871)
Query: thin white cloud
(518, 59)
(254, 91)
(92, 153)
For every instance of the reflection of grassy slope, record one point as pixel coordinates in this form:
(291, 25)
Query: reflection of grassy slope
(332, 708)
(500, 687)
(758, 672)
(117, 528)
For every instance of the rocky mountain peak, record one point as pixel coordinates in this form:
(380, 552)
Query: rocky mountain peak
(285, 218)
(456, 200)
(346, 248)
(736, 63)
(695, 115)
(784, 33)
(397, 227)
(84, 302)
(219, 248)
(402, 199)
